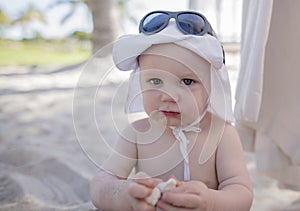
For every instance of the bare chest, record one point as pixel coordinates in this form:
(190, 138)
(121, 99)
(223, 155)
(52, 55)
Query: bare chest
(162, 158)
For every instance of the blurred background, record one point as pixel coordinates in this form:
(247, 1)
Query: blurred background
(68, 31)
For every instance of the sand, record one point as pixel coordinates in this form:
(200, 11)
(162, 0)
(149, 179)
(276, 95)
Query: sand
(43, 165)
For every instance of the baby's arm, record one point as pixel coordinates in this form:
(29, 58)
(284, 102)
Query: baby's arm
(235, 189)
(109, 192)
(109, 188)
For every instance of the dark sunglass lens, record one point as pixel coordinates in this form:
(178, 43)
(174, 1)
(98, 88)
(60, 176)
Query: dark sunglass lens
(154, 22)
(191, 23)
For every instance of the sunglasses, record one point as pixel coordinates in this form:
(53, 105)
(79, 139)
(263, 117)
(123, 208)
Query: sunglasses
(188, 22)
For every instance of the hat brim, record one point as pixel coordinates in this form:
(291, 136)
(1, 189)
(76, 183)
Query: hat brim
(128, 47)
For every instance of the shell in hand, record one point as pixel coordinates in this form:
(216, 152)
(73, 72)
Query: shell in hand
(160, 188)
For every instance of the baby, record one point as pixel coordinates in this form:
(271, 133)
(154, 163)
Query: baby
(187, 136)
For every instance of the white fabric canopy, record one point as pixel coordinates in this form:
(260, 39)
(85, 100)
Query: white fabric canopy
(267, 100)
(255, 31)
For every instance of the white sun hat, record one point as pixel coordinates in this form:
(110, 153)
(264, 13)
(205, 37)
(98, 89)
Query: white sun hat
(128, 48)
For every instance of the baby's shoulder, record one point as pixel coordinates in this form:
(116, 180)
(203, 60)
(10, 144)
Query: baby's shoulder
(137, 127)
(219, 124)
(230, 131)
(230, 137)
(141, 125)
(222, 130)
(146, 130)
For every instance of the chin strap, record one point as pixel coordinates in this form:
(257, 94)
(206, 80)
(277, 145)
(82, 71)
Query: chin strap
(179, 133)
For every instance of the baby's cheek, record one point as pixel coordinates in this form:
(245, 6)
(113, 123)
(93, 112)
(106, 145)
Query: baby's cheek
(190, 102)
(191, 108)
(150, 101)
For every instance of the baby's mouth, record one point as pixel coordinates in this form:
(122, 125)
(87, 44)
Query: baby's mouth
(170, 113)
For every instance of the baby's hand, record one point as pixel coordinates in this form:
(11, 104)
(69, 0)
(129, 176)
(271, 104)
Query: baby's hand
(193, 195)
(159, 189)
(140, 188)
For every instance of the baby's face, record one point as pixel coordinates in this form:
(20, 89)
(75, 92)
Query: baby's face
(174, 90)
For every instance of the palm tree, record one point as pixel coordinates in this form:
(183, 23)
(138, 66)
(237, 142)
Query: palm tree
(28, 16)
(4, 21)
(104, 26)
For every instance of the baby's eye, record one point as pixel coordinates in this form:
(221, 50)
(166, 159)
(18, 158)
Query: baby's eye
(155, 81)
(187, 81)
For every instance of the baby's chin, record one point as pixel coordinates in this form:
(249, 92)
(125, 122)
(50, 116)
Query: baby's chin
(159, 117)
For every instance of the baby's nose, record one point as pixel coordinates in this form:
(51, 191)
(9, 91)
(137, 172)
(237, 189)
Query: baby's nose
(169, 96)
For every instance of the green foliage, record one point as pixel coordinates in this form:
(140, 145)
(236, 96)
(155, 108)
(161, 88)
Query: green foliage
(30, 14)
(81, 35)
(43, 52)
(26, 17)
(4, 19)
(74, 6)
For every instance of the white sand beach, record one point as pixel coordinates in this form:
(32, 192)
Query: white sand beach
(42, 165)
